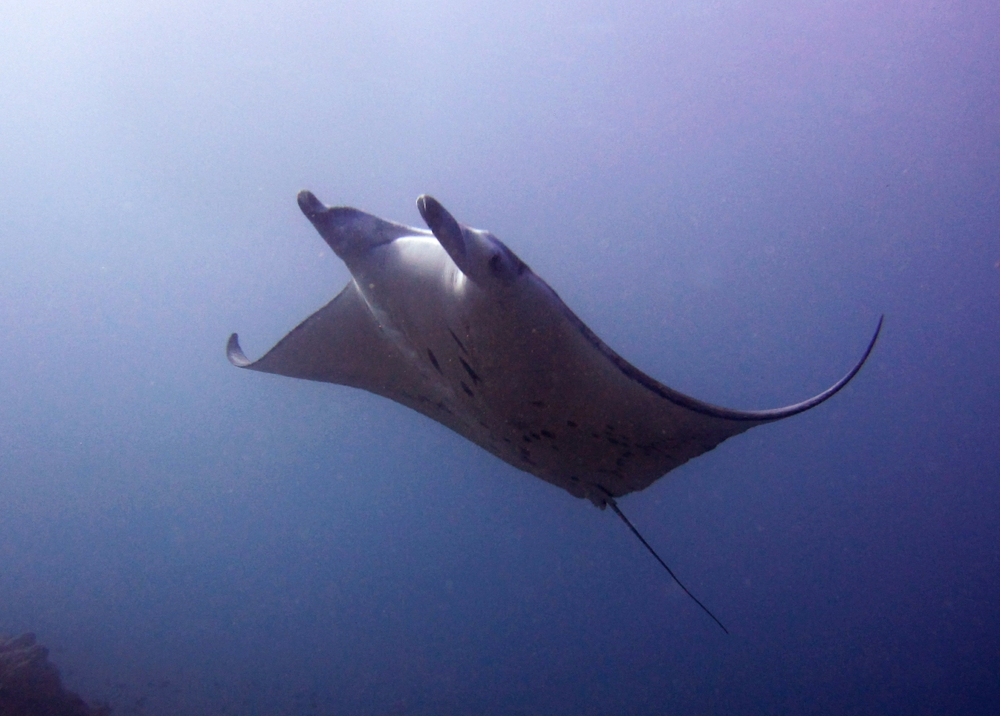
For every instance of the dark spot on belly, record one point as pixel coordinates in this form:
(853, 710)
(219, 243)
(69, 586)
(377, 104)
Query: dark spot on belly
(434, 361)
(613, 441)
(526, 456)
(536, 436)
(550, 436)
(574, 478)
(526, 438)
(571, 423)
(538, 403)
(466, 388)
(468, 369)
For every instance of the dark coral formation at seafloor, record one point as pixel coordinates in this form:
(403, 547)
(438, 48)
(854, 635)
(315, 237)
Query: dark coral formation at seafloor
(30, 683)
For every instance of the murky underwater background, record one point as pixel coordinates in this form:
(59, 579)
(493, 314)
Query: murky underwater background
(729, 193)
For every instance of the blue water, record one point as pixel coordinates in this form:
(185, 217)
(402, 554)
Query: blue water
(728, 193)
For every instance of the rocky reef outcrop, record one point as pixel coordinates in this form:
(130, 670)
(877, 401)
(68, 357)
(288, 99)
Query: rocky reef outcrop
(30, 683)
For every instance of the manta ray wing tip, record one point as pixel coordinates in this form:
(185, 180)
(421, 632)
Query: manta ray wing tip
(832, 390)
(235, 354)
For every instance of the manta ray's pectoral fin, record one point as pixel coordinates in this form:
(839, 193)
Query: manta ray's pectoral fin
(341, 343)
(750, 416)
(788, 411)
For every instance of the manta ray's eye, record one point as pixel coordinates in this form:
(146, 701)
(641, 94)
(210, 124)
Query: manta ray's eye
(495, 263)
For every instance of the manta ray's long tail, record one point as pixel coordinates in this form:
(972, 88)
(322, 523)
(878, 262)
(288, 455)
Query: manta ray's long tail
(614, 506)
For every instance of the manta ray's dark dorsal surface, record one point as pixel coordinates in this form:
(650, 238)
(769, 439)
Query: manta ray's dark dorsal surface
(450, 322)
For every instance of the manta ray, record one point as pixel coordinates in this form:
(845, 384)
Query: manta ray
(451, 323)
